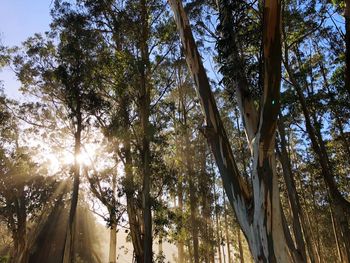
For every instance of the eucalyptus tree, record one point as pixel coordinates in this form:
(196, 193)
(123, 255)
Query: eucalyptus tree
(255, 208)
(62, 75)
(105, 186)
(138, 39)
(308, 74)
(25, 189)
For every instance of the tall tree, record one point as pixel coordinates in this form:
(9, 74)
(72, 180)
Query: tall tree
(256, 209)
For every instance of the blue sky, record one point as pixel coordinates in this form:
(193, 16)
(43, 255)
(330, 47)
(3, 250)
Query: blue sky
(20, 19)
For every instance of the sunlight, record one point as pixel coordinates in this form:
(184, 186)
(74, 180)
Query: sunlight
(84, 158)
(58, 160)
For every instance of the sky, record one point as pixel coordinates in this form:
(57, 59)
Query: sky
(20, 19)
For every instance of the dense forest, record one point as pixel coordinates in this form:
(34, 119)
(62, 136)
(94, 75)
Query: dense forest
(179, 131)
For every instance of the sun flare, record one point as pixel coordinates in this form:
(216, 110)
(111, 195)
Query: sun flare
(58, 160)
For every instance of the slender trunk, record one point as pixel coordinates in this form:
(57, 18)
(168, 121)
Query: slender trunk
(187, 156)
(240, 247)
(113, 219)
(336, 236)
(68, 256)
(223, 246)
(129, 186)
(192, 189)
(206, 201)
(227, 232)
(180, 242)
(312, 243)
(292, 193)
(341, 205)
(218, 236)
(134, 221)
(193, 216)
(144, 104)
(113, 244)
(316, 224)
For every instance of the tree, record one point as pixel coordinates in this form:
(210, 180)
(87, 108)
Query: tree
(255, 212)
(24, 189)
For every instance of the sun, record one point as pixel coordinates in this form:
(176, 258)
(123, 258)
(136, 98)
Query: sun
(84, 158)
(63, 158)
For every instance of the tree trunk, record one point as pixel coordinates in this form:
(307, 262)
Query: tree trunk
(218, 237)
(129, 186)
(336, 236)
(144, 104)
(193, 208)
(188, 154)
(217, 221)
(68, 256)
(114, 223)
(313, 243)
(227, 232)
(341, 205)
(240, 247)
(180, 242)
(292, 193)
(205, 190)
(258, 215)
(20, 254)
(113, 244)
